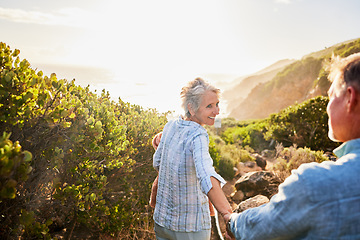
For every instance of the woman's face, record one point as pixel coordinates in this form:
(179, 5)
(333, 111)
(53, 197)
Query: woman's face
(208, 109)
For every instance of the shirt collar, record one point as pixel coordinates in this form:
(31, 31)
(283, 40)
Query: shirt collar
(183, 122)
(347, 147)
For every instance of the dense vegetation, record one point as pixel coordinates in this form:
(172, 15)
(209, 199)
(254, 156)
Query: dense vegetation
(70, 157)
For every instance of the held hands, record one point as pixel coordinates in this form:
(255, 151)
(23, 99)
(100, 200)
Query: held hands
(228, 234)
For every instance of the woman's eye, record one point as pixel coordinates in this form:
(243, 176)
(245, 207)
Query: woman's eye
(209, 106)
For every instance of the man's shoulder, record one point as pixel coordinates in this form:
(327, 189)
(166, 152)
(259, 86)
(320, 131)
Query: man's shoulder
(329, 180)
(316, 171)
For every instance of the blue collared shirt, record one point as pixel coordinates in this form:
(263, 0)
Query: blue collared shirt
(318, 201)
(185, 167)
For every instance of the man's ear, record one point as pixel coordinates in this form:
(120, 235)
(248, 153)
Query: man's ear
(353, 98)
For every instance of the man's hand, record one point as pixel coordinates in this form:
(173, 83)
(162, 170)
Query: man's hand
(228, 234)
(156, 140)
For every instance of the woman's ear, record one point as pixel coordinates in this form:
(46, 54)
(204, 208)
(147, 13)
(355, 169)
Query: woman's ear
(191, 110)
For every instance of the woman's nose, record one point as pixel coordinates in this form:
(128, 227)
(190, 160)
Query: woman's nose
(217, 110)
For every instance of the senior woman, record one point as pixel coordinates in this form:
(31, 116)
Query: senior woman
(187, 178)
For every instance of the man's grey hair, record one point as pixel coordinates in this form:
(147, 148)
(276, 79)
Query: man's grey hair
(348, 70)
(193, 92)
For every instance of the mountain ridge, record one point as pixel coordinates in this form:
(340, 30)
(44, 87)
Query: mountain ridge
(283, 83)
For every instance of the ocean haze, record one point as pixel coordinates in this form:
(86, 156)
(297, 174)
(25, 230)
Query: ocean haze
(83, 75)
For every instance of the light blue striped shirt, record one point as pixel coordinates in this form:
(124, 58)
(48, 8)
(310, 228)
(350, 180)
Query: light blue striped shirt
(185, 167)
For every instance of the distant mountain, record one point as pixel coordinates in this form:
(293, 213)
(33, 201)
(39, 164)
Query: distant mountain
(242, 86)
(283, 84)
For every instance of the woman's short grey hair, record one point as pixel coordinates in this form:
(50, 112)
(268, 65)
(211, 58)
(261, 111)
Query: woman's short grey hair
(193, 92)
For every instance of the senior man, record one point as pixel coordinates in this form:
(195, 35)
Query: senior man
(318, 201)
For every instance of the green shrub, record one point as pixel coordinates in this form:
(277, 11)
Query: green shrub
(92, 156)
(305, 125)
(291, 158)
(214, 151)
(14, 167)
(226, 157)
(226, 167)
(248, 134)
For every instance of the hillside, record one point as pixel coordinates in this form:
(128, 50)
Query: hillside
(259, 95)
(242, 86)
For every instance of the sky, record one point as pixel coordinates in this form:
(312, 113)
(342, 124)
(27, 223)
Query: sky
(144, 51)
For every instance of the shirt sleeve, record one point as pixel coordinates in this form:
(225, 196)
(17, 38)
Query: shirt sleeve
(286, 216)
(204, 163)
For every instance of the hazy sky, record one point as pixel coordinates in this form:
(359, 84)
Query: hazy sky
(144, 51)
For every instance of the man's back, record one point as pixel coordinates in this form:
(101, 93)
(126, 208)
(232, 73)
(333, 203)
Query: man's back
(334, 193)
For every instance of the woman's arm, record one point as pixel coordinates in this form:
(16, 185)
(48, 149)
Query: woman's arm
(218, 199)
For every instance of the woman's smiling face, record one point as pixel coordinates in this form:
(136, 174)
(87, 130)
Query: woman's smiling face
(208, 109)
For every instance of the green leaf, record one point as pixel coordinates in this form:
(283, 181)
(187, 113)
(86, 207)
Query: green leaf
(93, 197)
(54, 84)
(27, 156)
(72, 115)
(27, 96)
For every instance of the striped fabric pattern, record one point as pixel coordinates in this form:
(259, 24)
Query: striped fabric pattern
(185, 168)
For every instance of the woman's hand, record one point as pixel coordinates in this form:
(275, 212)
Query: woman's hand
(156, 140)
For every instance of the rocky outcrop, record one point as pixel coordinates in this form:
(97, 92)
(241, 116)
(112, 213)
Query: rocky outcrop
(256, 201)
(257, 183)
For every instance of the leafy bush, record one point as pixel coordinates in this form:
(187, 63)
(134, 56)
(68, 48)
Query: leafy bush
(291, 158)
(214, 151)
(91, 155)
(304, 124)
(14, 167)
(227, 156)
(347, 49)
(226, 167)
(248, 134)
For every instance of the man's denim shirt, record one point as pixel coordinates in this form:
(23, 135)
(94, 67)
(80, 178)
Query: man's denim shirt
(318, 201)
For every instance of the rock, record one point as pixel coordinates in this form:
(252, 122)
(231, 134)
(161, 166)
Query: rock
(254, 183)
(237, 196)
(249, 164)
(256, 201)
(260, 161)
